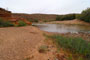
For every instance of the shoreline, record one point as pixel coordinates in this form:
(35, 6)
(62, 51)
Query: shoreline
(71, 22)
(85, 36)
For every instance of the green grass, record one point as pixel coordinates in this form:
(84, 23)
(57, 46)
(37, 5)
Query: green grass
(75, 45)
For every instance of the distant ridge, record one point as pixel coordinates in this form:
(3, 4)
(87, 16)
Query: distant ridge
(40, 17)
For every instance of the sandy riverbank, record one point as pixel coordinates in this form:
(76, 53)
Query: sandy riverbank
(75, 21)
(21, 43)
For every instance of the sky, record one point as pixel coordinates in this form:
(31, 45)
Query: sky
(45, 6)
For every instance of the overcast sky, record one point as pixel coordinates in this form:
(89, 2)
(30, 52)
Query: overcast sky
(45, 6)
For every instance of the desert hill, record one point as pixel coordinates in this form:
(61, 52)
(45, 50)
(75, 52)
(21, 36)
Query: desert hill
(40, 17)
(4, 13)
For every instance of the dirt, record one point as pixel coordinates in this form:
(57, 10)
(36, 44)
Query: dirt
(22, 43)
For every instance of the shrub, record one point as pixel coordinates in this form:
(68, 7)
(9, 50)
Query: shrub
(5, 23)
(85, 15)
(21, 23)
(74, 44)
(66, 17)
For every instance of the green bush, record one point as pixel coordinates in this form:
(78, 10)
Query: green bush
(5, 23)
(85, 15)
(65, 17)
(21, 23)
(74, 44)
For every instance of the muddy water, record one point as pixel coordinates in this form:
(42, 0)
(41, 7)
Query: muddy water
(64, 28)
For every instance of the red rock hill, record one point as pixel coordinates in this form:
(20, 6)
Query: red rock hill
(8, 16)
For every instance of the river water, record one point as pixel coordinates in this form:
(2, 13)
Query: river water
(64, 28)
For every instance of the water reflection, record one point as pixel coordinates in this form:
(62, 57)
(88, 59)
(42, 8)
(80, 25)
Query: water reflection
(63, 28)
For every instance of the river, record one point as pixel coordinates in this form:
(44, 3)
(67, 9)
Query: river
(64, 28)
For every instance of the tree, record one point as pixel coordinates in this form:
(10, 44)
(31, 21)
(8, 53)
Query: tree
(85, 15)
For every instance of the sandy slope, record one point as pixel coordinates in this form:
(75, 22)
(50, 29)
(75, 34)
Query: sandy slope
(18, 42)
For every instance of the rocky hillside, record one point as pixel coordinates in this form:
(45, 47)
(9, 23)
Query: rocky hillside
(5, 13)
(8, 16)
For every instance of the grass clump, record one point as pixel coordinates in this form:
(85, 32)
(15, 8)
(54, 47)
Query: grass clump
(21, 23)
(74, 44)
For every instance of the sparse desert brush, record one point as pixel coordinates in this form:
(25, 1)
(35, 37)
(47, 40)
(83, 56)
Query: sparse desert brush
(74, 44)
(43, 49)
